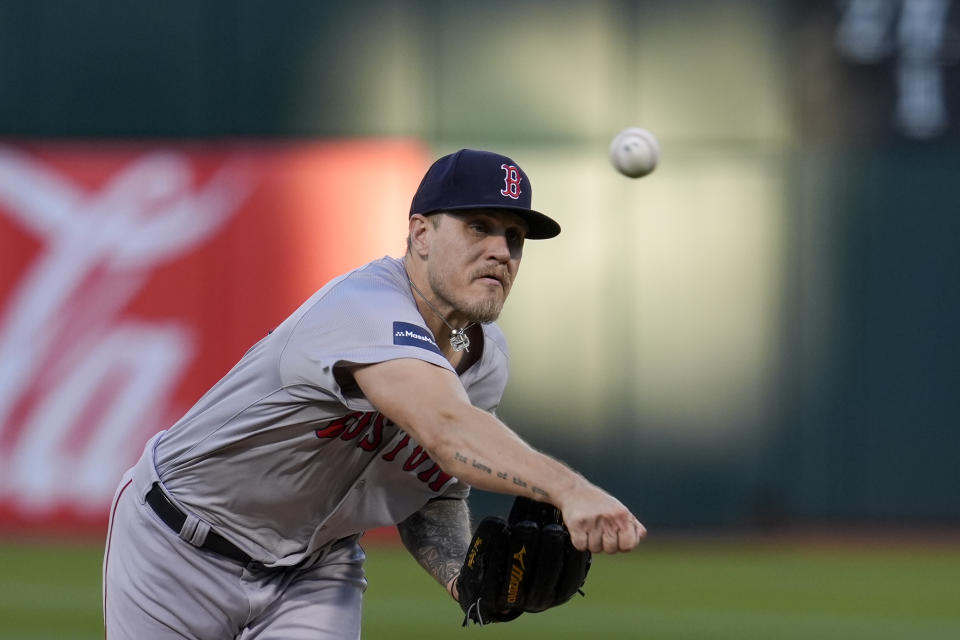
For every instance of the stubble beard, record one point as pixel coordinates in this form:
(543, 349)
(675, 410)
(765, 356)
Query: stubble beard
(486, 310)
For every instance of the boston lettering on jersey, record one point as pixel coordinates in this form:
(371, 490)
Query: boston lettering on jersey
(413, 336)
(371, 424)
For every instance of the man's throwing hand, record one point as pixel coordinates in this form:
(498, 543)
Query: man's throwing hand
(600, 523)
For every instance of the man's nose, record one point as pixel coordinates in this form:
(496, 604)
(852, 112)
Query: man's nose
(498, 247)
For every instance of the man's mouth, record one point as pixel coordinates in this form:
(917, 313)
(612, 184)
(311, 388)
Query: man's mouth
(491, 278)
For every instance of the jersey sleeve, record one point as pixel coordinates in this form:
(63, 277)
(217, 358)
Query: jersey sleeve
(360, 320)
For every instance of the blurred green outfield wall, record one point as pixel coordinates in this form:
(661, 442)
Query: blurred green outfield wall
(764, 330)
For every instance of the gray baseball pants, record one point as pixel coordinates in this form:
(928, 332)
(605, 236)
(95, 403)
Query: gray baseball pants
(158, 586)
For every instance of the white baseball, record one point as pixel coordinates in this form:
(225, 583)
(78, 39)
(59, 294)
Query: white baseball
(634, 152)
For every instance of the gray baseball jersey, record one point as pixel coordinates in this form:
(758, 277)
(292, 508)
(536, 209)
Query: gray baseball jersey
(281, 459)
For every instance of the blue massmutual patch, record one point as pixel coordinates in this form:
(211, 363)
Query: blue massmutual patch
(411, 335)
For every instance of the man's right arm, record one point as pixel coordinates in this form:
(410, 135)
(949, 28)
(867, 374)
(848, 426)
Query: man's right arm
(430, 404)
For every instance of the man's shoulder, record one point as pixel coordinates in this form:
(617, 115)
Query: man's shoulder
(386, 273)
(372, 288)
(383, 277)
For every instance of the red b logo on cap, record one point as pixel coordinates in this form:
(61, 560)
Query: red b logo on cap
(512, 180)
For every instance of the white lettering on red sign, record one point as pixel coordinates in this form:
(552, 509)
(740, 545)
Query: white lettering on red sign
(75, 378)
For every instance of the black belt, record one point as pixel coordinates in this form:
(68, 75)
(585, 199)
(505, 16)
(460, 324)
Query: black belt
(174, 518)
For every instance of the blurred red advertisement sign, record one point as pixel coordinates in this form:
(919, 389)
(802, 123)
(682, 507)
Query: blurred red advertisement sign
(133, 276)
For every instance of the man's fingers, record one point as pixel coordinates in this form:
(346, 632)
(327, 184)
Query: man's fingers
(595, 541)
(611, 541)
(611, 538)
(605, 531)
(585, 536)
(578, 538)
(631, 536)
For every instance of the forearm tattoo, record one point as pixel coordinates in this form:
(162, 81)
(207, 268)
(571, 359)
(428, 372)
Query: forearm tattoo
(503, 475)
(438, 537)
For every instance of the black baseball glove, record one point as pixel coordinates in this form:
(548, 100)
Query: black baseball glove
(523, 564)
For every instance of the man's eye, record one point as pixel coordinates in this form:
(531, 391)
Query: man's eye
(479, 227)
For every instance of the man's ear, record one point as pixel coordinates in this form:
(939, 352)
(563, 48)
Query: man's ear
(419, 232)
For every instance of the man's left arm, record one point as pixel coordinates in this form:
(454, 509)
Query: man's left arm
(438, 536)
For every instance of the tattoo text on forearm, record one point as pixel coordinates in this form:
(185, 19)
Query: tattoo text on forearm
(503, 475)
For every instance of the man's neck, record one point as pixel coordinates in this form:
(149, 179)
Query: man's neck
(424, 297)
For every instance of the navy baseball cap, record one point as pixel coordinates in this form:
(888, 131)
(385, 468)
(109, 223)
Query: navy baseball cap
(472, 179)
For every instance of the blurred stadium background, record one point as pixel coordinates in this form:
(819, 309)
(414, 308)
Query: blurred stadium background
(755, 347)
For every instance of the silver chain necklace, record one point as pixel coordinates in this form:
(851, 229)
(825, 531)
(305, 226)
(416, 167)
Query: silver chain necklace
(458, 337)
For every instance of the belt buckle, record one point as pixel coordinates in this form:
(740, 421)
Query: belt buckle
(256, 565)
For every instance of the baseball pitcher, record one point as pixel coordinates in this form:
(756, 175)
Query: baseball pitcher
(373, 404)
